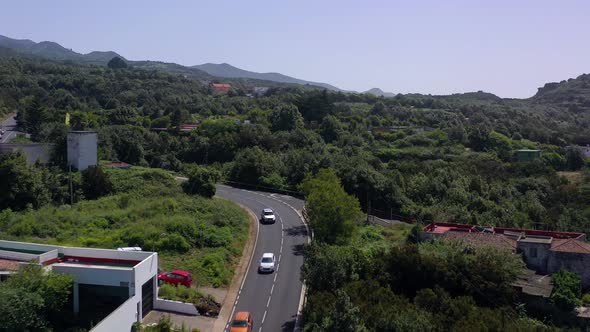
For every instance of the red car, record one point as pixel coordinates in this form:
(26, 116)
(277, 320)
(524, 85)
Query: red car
(176, 277)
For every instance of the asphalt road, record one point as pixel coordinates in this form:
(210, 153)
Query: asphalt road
(273, 299)
(9, 126)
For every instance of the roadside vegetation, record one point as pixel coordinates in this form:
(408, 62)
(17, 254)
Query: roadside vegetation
(145, 208)
(370, 278)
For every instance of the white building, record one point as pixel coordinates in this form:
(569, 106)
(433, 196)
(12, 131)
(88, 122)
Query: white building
(120, 286)
(82, 149)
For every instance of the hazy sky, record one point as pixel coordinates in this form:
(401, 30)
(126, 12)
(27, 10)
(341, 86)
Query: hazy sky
(509, 48)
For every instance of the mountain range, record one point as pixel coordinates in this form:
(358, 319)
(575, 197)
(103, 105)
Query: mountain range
(228, 71)
(208, 71)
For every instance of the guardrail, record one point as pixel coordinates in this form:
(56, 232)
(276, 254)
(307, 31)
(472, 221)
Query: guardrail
(244, 185)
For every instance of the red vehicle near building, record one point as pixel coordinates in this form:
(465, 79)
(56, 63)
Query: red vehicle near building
(176, 277)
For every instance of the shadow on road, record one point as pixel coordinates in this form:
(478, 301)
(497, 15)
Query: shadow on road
(296, 231)
(298, 249)
(288, 326)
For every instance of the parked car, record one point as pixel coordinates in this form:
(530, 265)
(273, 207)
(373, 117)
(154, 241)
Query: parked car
(267, 263)
(242, 322)
(176, 277)
(268, 216)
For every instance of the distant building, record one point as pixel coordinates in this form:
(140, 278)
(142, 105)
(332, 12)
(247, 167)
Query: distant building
(545, 252)
(527, 155)
(220, 87)
(119, 164)
(82, 149)
(260, 91)
(34, 152)
(585, 150)
(188, 127)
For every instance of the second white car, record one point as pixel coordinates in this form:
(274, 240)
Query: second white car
(267, 263)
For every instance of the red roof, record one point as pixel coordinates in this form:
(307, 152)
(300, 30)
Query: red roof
(442, 227)
(119, 165)
(570, 245)
(478, 239)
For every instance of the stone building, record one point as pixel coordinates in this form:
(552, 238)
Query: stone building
(545, 252)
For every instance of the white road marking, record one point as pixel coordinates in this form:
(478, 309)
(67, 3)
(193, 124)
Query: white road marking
(245, 274)
(268, 302)
(275, 277)
(271, 290)
(263, 317)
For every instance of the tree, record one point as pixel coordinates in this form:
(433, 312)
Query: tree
(331, 129)
(96, 182)
(333, 214)
(117, 63)
(286, 117)
(33, 299)
(574, 159)
(20, 184)
(201, 181)
(567, 289)
(252, 164)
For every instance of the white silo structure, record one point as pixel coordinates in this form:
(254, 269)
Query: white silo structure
(82, 149)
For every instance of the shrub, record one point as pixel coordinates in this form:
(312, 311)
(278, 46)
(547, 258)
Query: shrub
(173, 242)
(567, 289)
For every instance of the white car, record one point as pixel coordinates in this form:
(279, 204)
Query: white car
(267, 217)
(267, 263)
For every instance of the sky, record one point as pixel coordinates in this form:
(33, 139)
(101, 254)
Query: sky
(509, 48)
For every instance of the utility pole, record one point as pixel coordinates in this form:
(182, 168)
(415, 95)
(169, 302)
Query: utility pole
(71, 187)
(368, 207)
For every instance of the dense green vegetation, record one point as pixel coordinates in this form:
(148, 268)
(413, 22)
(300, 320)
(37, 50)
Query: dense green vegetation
(368, 283)
(450, 158)
(33, 300)
(146, 208)
(413, 157)
(567, 290)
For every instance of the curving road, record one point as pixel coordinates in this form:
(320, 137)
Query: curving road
(9, 127)
(273, 299)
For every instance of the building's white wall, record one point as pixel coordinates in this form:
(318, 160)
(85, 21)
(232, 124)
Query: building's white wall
(146, 270)
(175, 306)
(27, 246)
(19, 256)
(82, 149)
(48, 256)
(121, 319)
(92, 275)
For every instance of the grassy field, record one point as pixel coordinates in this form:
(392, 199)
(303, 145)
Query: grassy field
(148, 209)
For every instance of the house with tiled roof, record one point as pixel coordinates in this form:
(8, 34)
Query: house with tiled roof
(545, 252)
(220, 87)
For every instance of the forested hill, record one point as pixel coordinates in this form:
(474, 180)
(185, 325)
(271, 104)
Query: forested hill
(229, 71)
(573, 94)
(54, 51)
(430, 157)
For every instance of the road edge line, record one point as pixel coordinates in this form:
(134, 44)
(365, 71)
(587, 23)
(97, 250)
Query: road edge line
(223, 317)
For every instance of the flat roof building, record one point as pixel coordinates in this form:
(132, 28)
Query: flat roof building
(119, 286)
